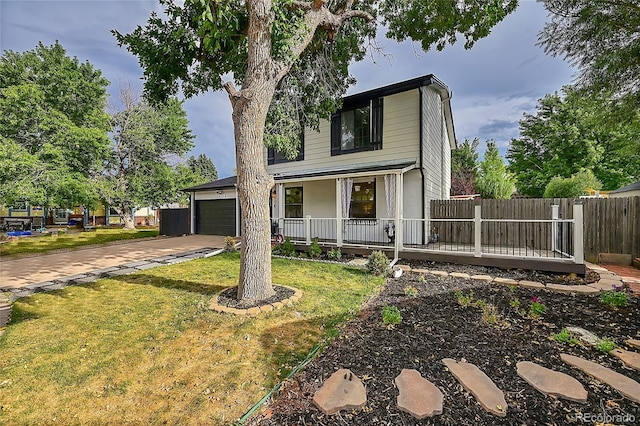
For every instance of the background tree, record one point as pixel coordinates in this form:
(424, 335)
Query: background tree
(290, 59)
(145, 137)
(573, 132)
(203, 167)
(464, 168)
(53, 127)
(603, 39)
(572, 187)
(494, 180)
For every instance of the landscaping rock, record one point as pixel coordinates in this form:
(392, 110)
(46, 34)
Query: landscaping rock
(608, 284)
(579, 289)
(486, 278)
(629, 388)
(552, 382)
(585, 335)
(629, 358)
(439, 273)
(531, 284)
(507, 281)
(459, 275)
(418, 396)
(633, 342)
(479, 385)
(342, 391)
(420, 271)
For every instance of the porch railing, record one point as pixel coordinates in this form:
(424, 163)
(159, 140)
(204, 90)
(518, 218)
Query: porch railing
(554, 239)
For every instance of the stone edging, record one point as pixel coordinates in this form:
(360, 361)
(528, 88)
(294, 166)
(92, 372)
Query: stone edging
(214, 306)
(607, 281)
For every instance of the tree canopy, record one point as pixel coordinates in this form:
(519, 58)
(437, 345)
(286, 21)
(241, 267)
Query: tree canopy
(494, 180)
(464, 167)
(570, 132)
(290, 59)
(145, 137)
(572, 187)
(603, 39)
(53, 127)
(203, 167)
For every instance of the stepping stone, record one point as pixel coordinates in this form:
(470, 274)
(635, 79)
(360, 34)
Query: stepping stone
(418, 396)
(486, 278)
(531, 284)
(633, 342)
(342, 391)
(480, 385)
(507, 281)
(552, 382)
(602, 287)
(629, 388)
(629, 358)
(581, 289)
(608, 284)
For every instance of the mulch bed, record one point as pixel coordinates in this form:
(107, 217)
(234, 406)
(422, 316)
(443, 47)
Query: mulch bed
(436, 326)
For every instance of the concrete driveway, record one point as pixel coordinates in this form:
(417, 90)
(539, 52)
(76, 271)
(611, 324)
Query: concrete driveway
(18, 273)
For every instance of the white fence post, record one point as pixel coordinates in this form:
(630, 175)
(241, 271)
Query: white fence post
(555, 215)
(338, 212)
(578, 233)
(307, 228)
(477, 230)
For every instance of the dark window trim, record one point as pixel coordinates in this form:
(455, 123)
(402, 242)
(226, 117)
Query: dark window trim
(274, 157)
(376, 112)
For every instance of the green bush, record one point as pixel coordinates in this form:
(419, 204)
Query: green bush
(616, 299)
(391, 315)
(378, 263)
(334, 254)
(287, 248)
(606, 345)
(314, 249)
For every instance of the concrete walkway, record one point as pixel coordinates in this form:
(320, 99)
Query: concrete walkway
(48, 268)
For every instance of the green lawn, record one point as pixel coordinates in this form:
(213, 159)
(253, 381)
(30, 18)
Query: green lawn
(69, 240)
(145, 348)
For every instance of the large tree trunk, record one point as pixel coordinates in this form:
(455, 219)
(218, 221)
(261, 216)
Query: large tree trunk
(250, 107)
(125, 216)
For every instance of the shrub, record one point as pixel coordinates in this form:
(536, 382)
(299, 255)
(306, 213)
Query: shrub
(410, 291)
(464, 300)
(606, 345)
(565, 336)
(230, 244)
(287, 248)
(334, 254)
(378, 263)
(314, 249)
(391, 315)
(537, 308)
(616, 299)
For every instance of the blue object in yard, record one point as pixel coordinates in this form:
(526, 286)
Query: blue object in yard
(18, 233)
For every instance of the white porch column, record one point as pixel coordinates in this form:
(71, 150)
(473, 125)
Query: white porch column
(398, 219)
(578, 234)
(280, 202)
(238, 214)
(192, 229)
(339, 212)
(555, 215)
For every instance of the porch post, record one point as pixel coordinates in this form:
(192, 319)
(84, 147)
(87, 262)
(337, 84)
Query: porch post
(399, 213)
(280, 200)
(192, 205)
(578, 234)
(307, 229)
(477, 229)
(339, 212)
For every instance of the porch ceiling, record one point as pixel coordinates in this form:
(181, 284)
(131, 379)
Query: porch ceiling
(378, 168)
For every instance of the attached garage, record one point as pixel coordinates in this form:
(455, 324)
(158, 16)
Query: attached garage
(216, 217)
(214, 208)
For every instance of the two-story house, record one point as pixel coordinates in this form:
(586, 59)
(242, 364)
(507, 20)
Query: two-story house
(384, 156)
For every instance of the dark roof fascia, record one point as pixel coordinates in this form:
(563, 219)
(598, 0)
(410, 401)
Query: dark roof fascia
(226, 183)
(632, 187)
(328, 174)
(392, 89)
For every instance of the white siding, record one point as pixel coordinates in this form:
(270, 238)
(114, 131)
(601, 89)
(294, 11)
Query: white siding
(216, 195)
(432, 140)
(400, 139)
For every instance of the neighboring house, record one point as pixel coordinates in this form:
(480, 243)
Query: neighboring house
(632, 190)
(384, 156)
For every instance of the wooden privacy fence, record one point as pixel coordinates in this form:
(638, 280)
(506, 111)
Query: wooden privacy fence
(611, 225)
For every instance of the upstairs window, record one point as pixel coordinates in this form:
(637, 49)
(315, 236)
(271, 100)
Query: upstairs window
(358, 128)
(293, 202)
(274, 157)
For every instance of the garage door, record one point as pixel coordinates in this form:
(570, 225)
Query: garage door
(216, 217)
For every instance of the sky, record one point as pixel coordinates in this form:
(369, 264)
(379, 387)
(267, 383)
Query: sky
(493, 84)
